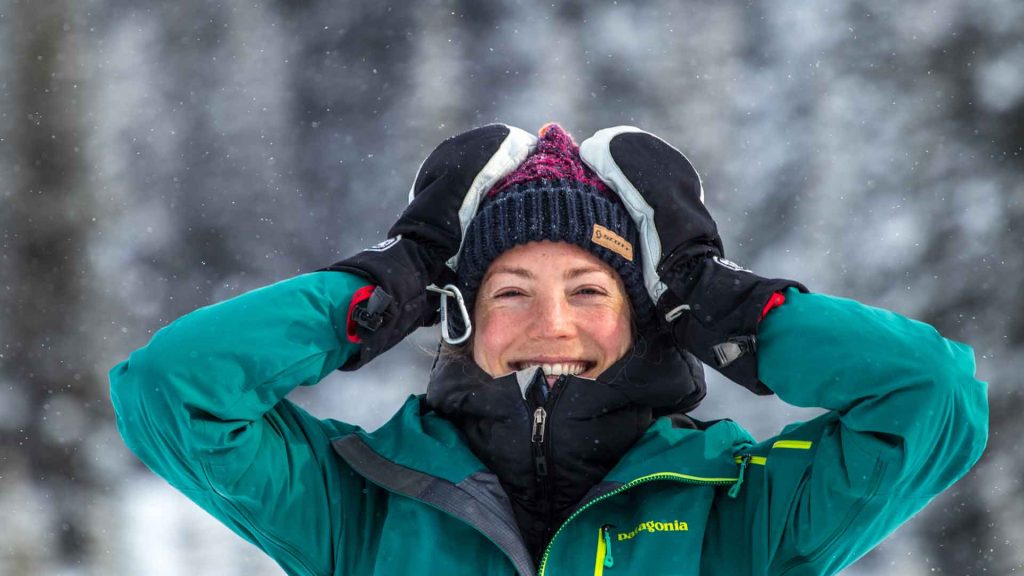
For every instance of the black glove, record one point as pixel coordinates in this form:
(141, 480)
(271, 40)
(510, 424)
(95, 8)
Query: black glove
(427, 236)
(711, 305)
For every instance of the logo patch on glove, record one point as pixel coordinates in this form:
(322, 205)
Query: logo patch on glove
(382, 246)
(729, 264)
(612, 241)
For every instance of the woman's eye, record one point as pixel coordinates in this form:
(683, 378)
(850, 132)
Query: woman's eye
(590, 291)
(508, 293)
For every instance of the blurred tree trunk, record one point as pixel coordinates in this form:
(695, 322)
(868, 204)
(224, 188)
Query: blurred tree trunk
(48, 218)
(975, 527)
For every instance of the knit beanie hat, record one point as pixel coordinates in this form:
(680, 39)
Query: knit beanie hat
(553, 196)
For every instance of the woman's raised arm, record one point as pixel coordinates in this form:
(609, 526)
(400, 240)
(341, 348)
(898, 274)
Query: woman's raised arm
(203, 406)
(907, 419)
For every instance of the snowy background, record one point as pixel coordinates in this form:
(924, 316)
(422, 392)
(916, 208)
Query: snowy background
(158, 157)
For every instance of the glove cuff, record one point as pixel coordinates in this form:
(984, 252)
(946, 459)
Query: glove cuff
(357, 314)
(396, 305)
(713, 308)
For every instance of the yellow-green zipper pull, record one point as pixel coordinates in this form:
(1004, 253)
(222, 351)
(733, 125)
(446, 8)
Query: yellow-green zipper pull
(735, 490)
(608, 560)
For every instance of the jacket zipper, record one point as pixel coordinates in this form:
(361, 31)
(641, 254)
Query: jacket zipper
(540, 460)
(851, 515)
(604, 550)
(671, 476)
(744, 462)
(539, 434)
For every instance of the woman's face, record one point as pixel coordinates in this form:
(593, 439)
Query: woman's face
(553, 305)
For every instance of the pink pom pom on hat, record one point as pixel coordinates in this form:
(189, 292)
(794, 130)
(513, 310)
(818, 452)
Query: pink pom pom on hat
(557, 156)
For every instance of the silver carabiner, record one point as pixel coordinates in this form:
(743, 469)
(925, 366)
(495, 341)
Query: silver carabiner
(676, 312)
(452, 291)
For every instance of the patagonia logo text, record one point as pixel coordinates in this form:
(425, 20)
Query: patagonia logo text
(612, 241)
(652, 526)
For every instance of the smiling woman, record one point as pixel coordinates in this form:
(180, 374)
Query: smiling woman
(552, 305)
(549, 267)
(557, 441)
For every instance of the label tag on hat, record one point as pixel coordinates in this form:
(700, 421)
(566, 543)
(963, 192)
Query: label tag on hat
(612, 241)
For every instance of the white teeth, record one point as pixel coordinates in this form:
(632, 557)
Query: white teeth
(558, 369)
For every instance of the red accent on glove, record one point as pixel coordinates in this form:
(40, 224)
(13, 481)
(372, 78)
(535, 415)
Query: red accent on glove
(777, 299)
(350, 324)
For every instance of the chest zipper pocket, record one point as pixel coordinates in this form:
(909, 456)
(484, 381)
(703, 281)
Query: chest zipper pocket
(604, 557)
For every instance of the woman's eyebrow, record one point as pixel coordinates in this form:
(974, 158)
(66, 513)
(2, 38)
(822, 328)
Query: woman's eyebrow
(521, 272)
(574, 273)
(570, 274)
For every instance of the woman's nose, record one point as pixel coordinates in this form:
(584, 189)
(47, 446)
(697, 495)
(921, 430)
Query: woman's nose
(553, 318)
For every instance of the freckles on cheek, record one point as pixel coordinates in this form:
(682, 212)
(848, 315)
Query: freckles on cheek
(489, 340)
(612, 330)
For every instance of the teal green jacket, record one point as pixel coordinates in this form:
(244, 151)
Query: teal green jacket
(203, 405)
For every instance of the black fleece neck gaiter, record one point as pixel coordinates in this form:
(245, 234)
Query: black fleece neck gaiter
(550, 447)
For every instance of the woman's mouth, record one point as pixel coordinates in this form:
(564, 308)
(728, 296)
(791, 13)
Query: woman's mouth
(552, 370)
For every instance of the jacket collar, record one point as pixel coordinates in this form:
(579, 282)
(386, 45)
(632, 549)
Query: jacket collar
(698, 453)
(419, 439)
